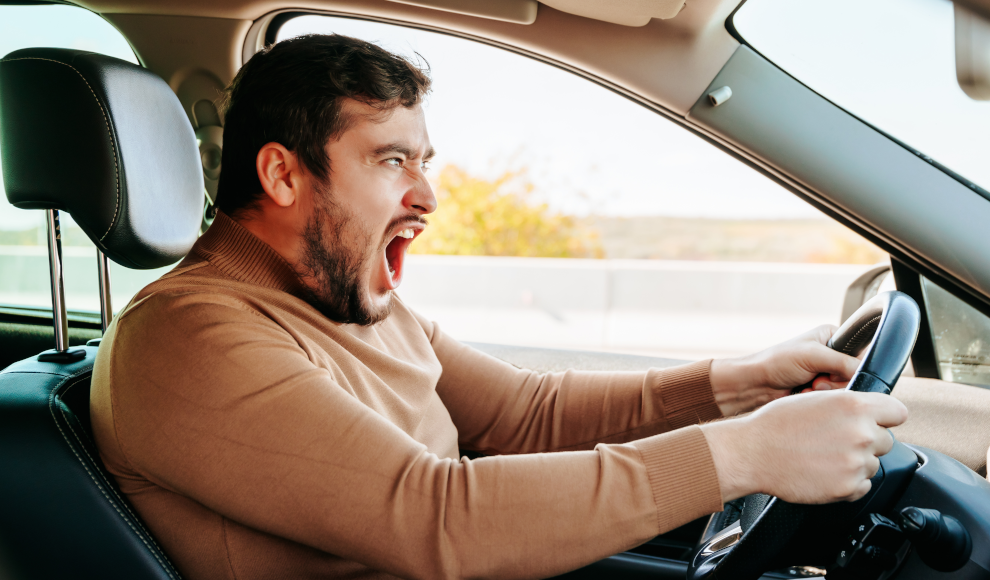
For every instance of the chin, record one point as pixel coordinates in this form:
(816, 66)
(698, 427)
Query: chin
(378, 305)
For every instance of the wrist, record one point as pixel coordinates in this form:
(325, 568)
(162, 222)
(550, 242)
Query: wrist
(735, 385)
(728, 443)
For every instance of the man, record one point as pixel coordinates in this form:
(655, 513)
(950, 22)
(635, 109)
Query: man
(272, 409)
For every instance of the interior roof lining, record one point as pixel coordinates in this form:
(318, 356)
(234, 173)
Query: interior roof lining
(272, 32)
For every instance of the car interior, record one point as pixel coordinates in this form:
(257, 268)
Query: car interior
(131, 153)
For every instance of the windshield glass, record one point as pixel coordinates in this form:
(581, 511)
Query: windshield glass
(889, 62)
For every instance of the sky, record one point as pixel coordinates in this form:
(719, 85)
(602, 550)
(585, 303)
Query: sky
(589, 150)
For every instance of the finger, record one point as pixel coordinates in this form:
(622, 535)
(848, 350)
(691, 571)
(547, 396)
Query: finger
(831, 386)
(832, 362)
(823, 333)
(826, 383)
(862, 489)
(886, 410)
(883, 442)
(872, 467)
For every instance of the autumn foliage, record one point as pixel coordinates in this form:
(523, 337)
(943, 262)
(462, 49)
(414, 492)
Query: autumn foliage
(500, 217)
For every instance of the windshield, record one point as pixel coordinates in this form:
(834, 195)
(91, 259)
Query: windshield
(889, 62)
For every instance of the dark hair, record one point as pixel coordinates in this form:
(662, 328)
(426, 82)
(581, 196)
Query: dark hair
(291, 93)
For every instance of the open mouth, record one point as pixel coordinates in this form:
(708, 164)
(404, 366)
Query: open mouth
(395, 253)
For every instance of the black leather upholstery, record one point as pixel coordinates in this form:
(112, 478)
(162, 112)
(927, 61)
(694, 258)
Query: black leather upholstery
(106, 141)
(61, 515)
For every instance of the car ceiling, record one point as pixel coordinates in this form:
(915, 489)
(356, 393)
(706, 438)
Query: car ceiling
(666, 63)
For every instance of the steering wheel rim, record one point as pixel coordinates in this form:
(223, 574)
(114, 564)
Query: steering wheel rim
(887, 328)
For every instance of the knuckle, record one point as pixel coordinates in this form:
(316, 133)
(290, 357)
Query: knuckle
(852, 464)
(850, 403)
(847, 488)
(886, 441)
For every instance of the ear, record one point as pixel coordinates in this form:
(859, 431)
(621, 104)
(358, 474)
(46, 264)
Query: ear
(280, 174)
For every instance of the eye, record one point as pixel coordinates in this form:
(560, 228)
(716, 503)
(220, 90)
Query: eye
(425, 166)
(394, 161)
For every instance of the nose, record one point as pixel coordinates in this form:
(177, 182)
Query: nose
(420, 198)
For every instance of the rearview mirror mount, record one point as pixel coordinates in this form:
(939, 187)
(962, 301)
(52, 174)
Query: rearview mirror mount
(972, 34)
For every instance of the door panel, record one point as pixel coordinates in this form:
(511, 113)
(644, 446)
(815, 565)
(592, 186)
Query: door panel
(27, 332)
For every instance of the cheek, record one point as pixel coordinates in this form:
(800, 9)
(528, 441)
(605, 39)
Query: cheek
(369, 195)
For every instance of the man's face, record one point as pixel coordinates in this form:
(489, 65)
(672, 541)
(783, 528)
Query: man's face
(363, 221)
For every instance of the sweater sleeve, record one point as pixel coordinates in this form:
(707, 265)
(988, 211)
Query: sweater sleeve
(499, 408)
(222, 406)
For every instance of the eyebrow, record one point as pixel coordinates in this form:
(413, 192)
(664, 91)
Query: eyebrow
(404, 150)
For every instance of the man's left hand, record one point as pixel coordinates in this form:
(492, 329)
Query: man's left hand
(743, 384)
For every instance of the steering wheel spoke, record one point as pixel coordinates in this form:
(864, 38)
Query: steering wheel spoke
(772, 533)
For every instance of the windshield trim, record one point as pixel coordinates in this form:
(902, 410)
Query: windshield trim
(730, 27)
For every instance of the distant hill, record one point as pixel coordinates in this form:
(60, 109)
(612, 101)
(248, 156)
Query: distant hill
(666, 238)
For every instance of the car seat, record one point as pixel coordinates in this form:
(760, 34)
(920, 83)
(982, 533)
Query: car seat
(109, 143)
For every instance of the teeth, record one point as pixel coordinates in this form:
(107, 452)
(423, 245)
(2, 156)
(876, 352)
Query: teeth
(406, 233)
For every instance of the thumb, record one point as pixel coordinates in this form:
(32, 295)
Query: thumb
(839, 366)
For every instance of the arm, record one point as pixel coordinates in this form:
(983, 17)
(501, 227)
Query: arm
(226, 408)
(502, 409)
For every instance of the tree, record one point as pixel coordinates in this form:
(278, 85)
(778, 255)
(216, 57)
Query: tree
(478, 217)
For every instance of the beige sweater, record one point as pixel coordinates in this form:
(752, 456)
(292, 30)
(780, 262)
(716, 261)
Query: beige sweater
(257, 439)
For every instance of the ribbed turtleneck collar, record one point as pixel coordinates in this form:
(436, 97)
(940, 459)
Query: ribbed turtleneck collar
(235, 251)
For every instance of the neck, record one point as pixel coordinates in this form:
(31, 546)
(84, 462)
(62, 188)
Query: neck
(281, 234)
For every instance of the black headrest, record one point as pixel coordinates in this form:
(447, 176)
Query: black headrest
(106, 141)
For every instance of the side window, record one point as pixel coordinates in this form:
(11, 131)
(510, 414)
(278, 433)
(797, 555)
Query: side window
(24, 278)
(962, 337)
(571, 217)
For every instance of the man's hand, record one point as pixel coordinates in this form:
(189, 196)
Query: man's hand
(818, 448)
(743, 384)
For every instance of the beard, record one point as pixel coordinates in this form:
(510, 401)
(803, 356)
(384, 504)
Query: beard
(336, 269)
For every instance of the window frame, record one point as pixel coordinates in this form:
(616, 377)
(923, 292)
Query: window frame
(38, 315)
(268, 26)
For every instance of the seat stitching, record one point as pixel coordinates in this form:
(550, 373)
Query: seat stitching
(124, 505)
(106, 120)
(6, 372)
(51, 406)
(90, 473)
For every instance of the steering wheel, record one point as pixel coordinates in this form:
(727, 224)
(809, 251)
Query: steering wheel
(772, 533)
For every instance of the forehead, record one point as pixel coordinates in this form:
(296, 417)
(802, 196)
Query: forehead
(370, 126)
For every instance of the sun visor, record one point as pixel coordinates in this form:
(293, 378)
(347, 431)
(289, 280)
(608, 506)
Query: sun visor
(517, 11)
(625, 12)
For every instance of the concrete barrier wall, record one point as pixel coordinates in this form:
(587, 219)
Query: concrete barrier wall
(24, 278)
(665, 308)
(674, 309)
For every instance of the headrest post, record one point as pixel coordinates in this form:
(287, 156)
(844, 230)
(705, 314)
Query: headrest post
(106, 308)
(60, 318)
(59, 314)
